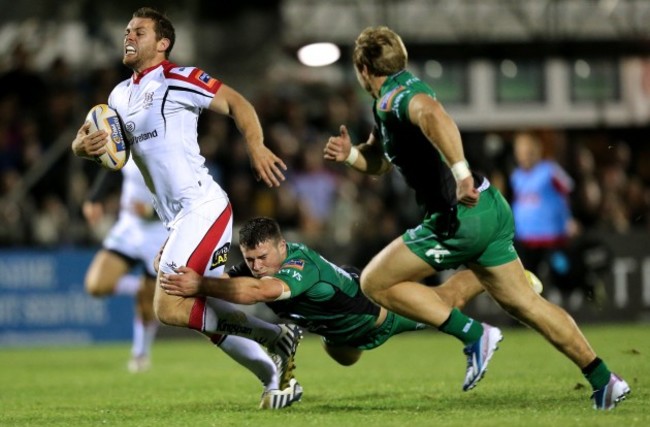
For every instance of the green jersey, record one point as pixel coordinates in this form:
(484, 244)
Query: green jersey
(408, 149)
(327, 300)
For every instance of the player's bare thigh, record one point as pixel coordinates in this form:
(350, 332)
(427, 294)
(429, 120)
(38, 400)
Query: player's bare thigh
(507, 284)
(199, 233)
(103, 273)
(394, 264)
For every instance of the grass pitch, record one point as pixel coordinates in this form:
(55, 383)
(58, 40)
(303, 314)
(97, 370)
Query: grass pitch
(413, 380)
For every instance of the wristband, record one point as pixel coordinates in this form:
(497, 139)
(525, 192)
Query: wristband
(460, 170)
(352, 157)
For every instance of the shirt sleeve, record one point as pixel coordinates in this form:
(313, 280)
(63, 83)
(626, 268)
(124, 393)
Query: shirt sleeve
(561, 180)
(299, 275)
(396, 102)
(192, 86)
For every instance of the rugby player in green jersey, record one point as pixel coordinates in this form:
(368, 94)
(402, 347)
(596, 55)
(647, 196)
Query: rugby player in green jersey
(298, 283)
(467, 221)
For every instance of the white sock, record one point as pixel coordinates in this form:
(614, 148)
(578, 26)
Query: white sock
(224, 318)
(143, 336)
(127, 285)
(250, 355)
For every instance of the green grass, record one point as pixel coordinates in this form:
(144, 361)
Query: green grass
(413, 380)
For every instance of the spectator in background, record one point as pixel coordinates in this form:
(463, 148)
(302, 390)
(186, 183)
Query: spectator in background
(315, 188)
(543, 222)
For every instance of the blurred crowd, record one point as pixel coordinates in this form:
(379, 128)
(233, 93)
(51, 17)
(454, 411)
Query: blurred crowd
(343, 213)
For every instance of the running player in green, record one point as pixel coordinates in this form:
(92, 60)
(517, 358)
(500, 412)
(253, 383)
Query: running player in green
(300, 284)
(467, 222)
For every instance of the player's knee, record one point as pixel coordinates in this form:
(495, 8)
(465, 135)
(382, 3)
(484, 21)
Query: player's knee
(170, 312)
(344, 356)
(368, 284)
(164, 313)
(451, 298)
(346, 361)
(97, 288)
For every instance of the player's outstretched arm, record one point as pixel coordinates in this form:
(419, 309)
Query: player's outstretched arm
(367, 157)
(240, 290)
(266, 165)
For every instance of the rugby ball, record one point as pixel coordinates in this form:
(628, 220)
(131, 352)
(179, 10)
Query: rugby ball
(103, 117)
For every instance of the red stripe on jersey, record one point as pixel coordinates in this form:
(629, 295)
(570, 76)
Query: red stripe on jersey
(200, 259)
(201, 256)
(198, 78)
(217, 339)
(196, 315)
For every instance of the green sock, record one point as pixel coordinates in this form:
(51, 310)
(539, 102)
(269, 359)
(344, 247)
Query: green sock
(462, 327)
(597, 373)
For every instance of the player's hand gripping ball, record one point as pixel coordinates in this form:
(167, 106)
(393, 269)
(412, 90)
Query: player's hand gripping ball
(103, 117)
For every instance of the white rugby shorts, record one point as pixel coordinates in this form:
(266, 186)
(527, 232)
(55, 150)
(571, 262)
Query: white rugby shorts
(200, 239)
(137, 239)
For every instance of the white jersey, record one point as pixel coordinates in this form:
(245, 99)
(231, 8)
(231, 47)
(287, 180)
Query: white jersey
(136, 238)
(160, 108)
(134, 190)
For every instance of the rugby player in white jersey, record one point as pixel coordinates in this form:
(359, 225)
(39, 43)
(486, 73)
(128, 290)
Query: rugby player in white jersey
(134, 240)
(160, 105)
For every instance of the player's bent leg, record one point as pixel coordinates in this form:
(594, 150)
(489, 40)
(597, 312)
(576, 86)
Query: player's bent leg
(460, 288)
(464, 286)
(388, 280)
(511, 289)
(173, 310)
(104, 272)
(343, 355)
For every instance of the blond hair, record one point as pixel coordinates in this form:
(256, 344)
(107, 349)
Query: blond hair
(381, 50)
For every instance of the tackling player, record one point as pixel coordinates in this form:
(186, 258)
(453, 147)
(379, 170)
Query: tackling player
(298, 283)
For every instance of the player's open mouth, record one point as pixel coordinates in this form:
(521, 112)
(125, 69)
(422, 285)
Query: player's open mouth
(129, 50)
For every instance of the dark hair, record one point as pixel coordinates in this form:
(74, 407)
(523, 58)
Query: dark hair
(259, 230)
(162, 25)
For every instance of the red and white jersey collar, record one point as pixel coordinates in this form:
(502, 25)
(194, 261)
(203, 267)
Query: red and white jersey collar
(138, 76)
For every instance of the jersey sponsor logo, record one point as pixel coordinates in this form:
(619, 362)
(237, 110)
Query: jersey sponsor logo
(386, 101)
(295, 275)
(205, 78)
(116, 132)
(298, 264)
(220, 256)
(438, 253)
(130, 127)
(144, 136)
(234, 324)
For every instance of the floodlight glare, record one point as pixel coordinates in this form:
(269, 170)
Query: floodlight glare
(319, 54)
